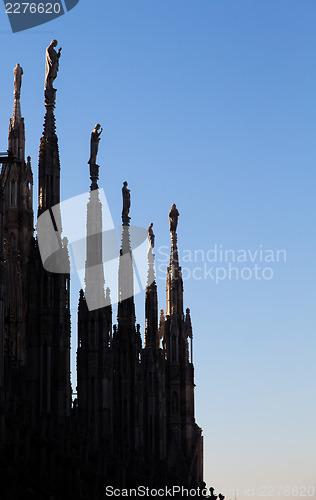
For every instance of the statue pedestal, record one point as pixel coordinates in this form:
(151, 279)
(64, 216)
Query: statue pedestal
(94, 175)
(125, 219)
(50, 97)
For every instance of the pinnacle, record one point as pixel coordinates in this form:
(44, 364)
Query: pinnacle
(16, 115)
(151, 278)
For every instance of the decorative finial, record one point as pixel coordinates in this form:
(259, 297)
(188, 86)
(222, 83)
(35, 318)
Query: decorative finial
(18, 72)
(126, 204)
(51, 70)
(173, 219)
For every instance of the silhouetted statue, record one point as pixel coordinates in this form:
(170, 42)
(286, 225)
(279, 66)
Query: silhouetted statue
(214, 497)
(221, 497)
(52, 64)
(151, 236)
(126, 199)
(94, 144)
(173, 218)
(18, 72)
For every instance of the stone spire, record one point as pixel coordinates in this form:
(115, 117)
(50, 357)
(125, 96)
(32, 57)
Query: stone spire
(49, 163)
(18, 225)
(127, 378)
(153, 359)
(48, 355)
(94, 274)
(94, 358)
(16, 129)
(126, 306)
(180, 373)
(174, 278)
(151, 299)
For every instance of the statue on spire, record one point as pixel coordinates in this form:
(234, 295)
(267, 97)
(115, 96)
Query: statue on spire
(18, 72)
(151, 237)
(94, 144)
(126, 193)
(173, 218)
(52, 64)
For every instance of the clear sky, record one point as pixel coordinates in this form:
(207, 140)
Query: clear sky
(210, 105)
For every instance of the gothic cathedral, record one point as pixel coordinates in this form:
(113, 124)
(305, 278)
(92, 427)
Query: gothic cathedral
(131, 421)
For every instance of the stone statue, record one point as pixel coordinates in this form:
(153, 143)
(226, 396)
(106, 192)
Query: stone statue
(18, 72)
(126, 199)
(52, 63)
(173, 218)
(151, 236)
(214, 497)
(94, 144)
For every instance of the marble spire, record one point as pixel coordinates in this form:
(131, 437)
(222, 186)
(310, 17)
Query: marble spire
(151, 297)
(16, 128)
(126, 307)
(174, 286)
(49, 163)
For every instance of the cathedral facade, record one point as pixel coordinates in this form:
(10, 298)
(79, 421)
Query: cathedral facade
(132, 421)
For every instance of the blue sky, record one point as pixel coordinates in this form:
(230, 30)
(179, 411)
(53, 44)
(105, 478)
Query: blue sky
(210, 105)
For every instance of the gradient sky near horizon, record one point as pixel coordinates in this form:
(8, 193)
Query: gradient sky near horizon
(210, 105)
